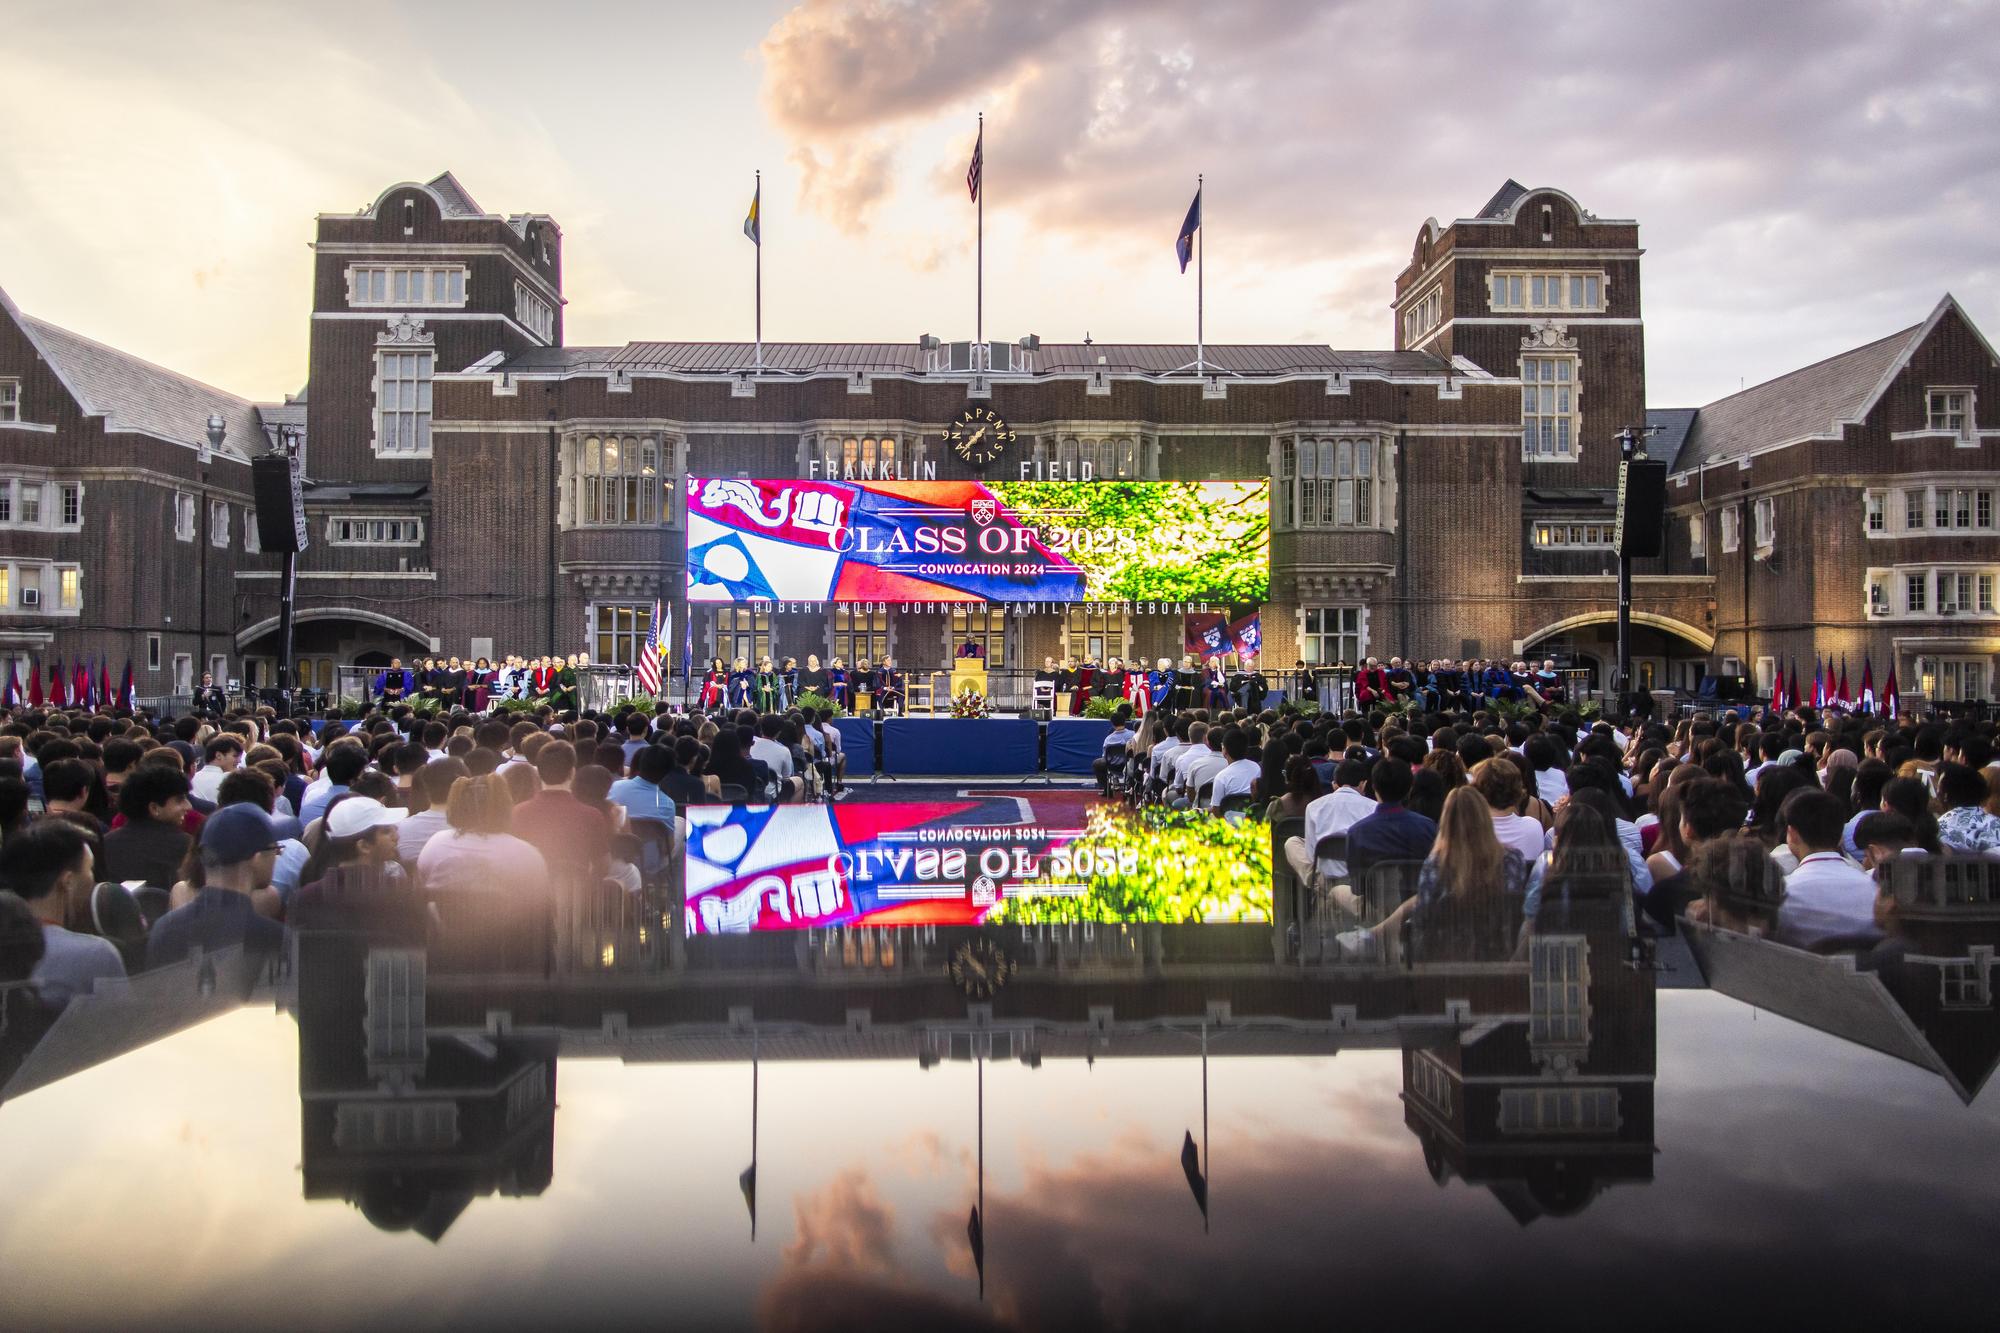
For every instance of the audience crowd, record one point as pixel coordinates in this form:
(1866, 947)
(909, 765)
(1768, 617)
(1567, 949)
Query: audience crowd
(220, 828)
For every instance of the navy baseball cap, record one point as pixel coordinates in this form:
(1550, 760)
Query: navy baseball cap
(235, 833)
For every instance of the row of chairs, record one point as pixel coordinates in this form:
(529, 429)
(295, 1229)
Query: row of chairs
(1134, 785)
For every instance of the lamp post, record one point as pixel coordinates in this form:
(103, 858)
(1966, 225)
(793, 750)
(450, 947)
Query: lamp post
(288, 446)
(1631, 449)
(204, 523)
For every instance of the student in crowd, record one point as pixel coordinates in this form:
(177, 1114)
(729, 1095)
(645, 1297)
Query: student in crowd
(239, 850)
(219, 759)
(433, 786)
(1237, 777)
(1826, 896)
(149, 846)
(570, 835)
(1390, 834)
(43, 865)
(1499, 782)
(478, 853)
(1965, 825)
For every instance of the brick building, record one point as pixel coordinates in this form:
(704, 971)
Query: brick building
(1846, 510)
(478, 487)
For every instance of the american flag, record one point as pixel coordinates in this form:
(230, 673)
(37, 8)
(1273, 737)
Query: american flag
(649, 660)
(972, 172)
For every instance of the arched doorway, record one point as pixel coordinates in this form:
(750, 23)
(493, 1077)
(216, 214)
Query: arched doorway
(325, 639)
(1666, 653)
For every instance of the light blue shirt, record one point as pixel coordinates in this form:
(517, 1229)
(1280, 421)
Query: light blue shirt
(317, 803)
(643, 800)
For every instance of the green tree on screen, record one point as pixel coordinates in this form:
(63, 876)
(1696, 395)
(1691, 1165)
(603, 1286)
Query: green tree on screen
(1195, 541)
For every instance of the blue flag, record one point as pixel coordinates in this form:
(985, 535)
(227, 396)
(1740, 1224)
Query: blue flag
(1184, 244)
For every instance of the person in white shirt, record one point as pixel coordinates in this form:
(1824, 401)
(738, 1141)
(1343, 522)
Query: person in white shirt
(1499, 781)
(1827, 896)
(1335, 812)
(1161, 762)
(766, 747)
(1236, 776)
(219, 759)
(1198, 764)
(434, 781)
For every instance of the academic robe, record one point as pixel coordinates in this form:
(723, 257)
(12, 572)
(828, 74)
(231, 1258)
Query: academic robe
(1371, 685)
(1215, 687)
(742, 689)
(1138, 692)
(391, 686)
(766, 685)
(714, 688)
(1086, 678)
(888, 688)
(836, 685)
(1160, 687)
(813, 682)
(565, 697)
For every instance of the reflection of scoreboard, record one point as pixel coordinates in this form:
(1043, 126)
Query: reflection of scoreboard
(794, 867)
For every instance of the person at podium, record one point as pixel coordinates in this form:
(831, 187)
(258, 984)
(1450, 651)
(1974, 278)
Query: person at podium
(971, 648)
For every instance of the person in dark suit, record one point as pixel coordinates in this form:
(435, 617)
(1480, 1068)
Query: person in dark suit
(888, 687)
(1393, 838)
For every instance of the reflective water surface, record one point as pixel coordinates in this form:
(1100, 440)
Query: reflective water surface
(1065, 1126)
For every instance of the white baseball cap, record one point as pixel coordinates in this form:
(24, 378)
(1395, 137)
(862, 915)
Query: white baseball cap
(357, 814)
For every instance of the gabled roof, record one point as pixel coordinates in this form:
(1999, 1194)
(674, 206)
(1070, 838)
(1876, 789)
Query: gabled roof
(458, 203)
(1503, 199)
(1670, 427)
(135, 395)
(1812, 402)
(726, 358)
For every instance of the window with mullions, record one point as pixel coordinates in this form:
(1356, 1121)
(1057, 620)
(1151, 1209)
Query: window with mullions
(1574, 536)
(1332, 634)
(10, 400)
(1548, 406)
(403, 402)
(858, 634)
(1328, 483)
(860, 456)
(1094, 634)
(355, 531)
(616, 480)
(1108, 458)
(985, 626)
(1558, 991)
(620, 632)
(742, 631)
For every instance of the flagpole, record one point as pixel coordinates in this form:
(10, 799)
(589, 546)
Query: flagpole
(1207, 1164)
(758, 199)
(979, 281)
(1200, 253)
(753, 1131)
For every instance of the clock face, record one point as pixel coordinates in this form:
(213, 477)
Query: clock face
(979, 436)
(981, 967)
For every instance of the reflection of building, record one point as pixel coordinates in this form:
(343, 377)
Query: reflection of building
(1549, 1105)
(1931, 1005)
(408, 1124)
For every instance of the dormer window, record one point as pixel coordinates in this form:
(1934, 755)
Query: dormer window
(10, 400)
(1950, 410)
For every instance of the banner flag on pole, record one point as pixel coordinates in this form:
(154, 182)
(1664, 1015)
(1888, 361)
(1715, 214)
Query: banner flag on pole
(1191, 1168)
(1892, 698)
(750, 226)
(1184, 243)
(1867, 685)
(972, 173)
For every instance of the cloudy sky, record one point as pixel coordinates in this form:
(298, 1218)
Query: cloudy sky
(1808, 176)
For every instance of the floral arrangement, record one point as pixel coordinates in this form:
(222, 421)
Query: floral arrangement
(969, 703)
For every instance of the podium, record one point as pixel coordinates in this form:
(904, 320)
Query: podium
(969, 671)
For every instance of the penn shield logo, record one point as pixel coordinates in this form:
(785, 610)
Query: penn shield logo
(984, 511)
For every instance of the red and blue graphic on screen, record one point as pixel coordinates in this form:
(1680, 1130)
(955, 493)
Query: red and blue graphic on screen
(1216, 634)
(877, 541)
(794, 867)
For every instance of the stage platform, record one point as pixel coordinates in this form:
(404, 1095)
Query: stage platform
(970, 747)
